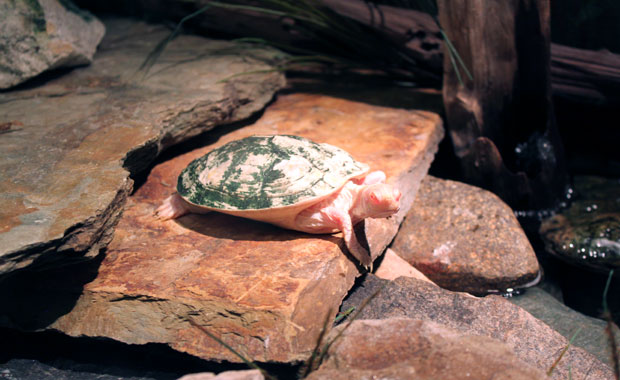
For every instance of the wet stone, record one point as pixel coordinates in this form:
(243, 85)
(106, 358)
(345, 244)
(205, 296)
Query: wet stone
(533, 341)
(70, 143)
(466, 239)
(265, 291)
(588, 232)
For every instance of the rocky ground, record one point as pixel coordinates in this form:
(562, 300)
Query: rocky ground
(93, 286)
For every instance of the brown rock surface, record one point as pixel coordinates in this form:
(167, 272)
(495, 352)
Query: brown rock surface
(466, 239)
(532, 340)
(403, 348)
(69, 145)
(265, 291)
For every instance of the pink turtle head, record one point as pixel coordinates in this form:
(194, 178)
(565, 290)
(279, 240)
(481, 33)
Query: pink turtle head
(381, 200)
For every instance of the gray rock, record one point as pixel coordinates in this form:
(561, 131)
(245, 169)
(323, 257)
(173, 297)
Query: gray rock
(40, 35)
(466, 239)
(69, 146)
(28, 369)
(591, 332)
(532, 340)
(403, 348)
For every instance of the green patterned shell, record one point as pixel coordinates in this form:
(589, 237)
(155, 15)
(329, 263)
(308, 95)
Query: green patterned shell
(263, 172)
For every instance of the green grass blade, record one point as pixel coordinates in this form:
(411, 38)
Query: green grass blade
(353, 318)
(248, 362)
(456, 54)
(570, 342)
(156, 53)
(344, 314)
(606, 290)
(456, 69)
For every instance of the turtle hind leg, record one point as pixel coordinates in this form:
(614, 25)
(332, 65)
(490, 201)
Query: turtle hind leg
(173, 207)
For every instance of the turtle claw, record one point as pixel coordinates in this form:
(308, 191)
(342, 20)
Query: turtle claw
(359, 252)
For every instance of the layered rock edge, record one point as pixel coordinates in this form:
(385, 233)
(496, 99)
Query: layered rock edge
(71, 143)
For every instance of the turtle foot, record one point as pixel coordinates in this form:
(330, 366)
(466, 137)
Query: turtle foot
(360, 253)
(173, 207)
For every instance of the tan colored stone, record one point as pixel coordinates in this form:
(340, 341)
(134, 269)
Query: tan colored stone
(465, 238)
(403, 348)
(263, 290)
(393, 266)
(69, 145)
(251, 374)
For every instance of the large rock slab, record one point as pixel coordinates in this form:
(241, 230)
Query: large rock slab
(466, 239)
(403, 349)
(532, 340)
(41, 35)
(263, 290)
(69, 146)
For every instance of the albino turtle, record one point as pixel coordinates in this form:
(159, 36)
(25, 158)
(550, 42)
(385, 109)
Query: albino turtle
(288, 181)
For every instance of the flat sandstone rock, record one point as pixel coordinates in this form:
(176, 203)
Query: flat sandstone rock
(265, 291)
(69, 145)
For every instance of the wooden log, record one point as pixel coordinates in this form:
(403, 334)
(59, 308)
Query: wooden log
(583, 75)
(501, 120)
(415, 30)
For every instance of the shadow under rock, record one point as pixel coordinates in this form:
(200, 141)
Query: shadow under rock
(35, 297)
(51, 355)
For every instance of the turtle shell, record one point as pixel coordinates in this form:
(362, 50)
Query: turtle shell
(264, 172)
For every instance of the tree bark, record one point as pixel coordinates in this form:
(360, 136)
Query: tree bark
(501, 121)
(584, 75)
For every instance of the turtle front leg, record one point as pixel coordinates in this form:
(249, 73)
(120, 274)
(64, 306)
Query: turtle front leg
(173, 207)
(353, 245)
